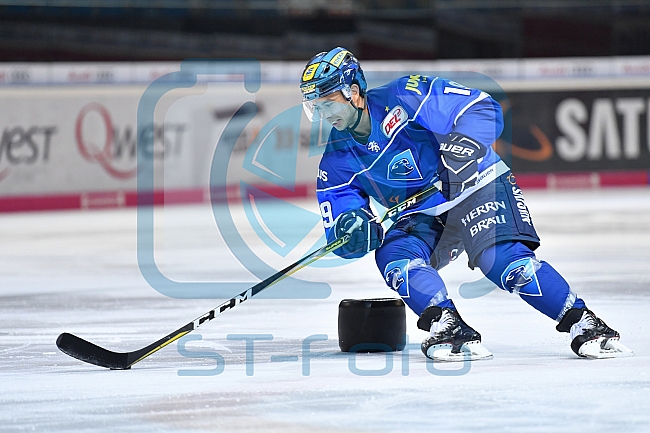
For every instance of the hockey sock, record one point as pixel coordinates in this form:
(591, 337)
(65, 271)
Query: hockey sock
(426, 288)
(418, 284)
(513, 267)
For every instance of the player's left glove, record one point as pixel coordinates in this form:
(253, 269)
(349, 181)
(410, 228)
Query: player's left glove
(365, 234)
(458, 169)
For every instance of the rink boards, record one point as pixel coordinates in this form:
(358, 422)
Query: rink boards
(70, 132)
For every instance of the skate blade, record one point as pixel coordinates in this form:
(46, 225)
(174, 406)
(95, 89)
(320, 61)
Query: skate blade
(470, 351)
(603, 348)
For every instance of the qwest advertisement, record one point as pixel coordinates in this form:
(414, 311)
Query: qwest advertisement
(81, 140)
(73, 144)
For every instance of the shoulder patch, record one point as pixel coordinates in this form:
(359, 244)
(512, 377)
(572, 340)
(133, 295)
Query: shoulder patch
(393, 120)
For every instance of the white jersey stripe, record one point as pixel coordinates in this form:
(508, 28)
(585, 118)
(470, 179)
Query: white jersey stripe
(481, 97)
(484, 178)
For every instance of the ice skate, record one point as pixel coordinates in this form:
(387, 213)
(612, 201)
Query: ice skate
(591, 337)
(451, 339)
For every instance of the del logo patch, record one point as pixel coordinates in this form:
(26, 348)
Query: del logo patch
(393, 119)
(403, 167)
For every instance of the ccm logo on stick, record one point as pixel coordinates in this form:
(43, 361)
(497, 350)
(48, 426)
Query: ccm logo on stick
(402, 207)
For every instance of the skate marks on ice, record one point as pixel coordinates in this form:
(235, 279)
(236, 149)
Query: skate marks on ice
(394, 403)
(535, 383)
(279, 398)
(263, 410)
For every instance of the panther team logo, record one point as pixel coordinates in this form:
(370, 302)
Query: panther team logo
(403, 167)
(396, 276)
(521, 278)
(517, 277)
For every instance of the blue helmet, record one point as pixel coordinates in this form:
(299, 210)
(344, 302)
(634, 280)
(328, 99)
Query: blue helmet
(328, 72)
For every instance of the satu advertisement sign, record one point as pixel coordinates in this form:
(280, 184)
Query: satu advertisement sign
(58, 140)
(574, 131)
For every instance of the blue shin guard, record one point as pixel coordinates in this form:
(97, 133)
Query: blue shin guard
(513, 267)
(417, 283)
(403, 261)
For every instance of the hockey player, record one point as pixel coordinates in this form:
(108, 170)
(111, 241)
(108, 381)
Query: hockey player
(402, 138)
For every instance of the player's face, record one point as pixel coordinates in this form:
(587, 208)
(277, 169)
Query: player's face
(336, 110)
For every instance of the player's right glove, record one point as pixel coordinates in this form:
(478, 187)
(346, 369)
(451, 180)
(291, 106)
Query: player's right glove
(458, 169)
(365, 234)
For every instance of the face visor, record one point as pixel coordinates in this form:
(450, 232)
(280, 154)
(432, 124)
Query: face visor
(324, 109)
(320, 108)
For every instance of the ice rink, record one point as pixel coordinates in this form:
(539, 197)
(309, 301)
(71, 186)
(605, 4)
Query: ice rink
(78, 272)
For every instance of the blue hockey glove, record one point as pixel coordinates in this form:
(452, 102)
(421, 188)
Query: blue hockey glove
(458, 169)
(365, 235)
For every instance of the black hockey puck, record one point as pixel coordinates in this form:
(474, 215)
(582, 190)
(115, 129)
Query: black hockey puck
(372, 325)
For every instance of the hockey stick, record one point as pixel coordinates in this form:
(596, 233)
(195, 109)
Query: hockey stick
(86, 351)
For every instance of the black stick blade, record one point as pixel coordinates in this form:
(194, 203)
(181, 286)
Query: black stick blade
(91, 353)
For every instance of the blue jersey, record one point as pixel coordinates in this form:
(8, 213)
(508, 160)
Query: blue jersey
(409, 118)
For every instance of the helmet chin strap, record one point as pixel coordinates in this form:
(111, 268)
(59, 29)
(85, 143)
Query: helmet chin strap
(359, 114)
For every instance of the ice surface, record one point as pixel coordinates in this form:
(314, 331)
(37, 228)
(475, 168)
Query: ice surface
(78, 272)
